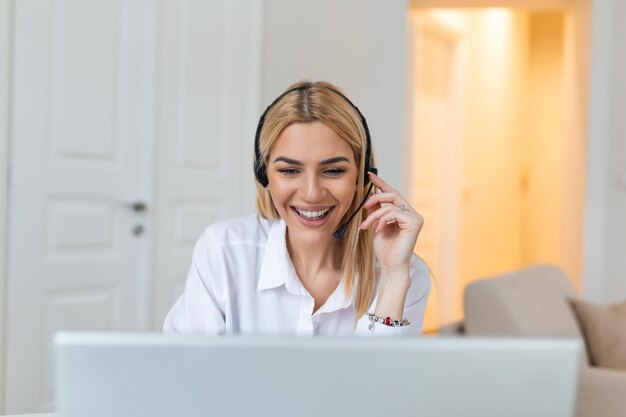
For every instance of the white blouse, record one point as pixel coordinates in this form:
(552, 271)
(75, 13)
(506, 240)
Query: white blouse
(242, 281)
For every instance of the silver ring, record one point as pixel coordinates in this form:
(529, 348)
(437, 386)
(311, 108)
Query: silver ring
(402, 207)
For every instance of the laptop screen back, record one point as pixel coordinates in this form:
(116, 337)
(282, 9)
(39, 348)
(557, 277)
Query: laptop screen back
(153, 375)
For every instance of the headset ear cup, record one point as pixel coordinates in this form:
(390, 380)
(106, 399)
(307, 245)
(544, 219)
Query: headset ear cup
(260, 173)
(259, 167)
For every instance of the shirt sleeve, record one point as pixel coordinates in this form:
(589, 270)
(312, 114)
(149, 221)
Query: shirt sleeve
(414, 305)
(200, 308)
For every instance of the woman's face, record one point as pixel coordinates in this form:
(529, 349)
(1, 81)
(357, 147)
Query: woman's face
(312, 180)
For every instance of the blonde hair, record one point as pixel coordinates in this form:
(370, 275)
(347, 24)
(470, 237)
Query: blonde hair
(306, 102)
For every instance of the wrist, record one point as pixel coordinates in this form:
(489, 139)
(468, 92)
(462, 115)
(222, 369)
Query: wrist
(387, 321)
(392, 290)
(396, 269)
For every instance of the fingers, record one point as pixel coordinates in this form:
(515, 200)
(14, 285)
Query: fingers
(380, 184)
(389, 219)
(384, 215)
(388, 207)
(381, 198)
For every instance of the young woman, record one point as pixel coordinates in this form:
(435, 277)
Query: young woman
(301, 266)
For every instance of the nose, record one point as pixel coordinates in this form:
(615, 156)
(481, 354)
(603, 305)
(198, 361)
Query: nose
(313, 188)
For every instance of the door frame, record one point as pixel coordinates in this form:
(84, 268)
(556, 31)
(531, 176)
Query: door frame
(6, 14)
(445, 289)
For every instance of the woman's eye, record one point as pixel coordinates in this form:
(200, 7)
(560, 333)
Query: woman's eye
(334, 172)
(288, 171)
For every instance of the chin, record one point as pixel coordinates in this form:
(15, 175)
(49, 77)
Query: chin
(311, 235)
(305, 234)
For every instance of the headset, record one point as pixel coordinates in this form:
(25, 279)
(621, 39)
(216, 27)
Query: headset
(260, 170)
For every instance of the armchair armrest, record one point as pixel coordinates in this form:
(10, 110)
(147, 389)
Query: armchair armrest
(601, 393)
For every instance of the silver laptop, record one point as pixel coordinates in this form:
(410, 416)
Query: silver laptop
(154, 375)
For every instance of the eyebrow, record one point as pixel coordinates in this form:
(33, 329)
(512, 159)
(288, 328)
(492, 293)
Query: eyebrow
(324, 162)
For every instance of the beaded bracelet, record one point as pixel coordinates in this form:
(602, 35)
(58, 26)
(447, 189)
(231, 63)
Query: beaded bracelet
(387, 321)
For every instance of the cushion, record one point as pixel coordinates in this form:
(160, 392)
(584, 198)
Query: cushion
(604, 332)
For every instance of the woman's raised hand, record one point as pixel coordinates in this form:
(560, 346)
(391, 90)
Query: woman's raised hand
(396, 225)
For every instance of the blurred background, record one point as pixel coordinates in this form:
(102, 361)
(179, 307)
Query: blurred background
(126, 127)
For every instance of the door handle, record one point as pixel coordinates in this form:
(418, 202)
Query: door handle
(137, 206)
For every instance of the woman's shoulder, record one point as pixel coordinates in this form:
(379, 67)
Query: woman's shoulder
(240, 230)
(418, 266)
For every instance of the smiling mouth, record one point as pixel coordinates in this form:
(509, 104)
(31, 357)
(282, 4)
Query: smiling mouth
(313, 215)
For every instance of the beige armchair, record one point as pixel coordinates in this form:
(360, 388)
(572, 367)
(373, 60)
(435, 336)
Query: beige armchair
(533, 302)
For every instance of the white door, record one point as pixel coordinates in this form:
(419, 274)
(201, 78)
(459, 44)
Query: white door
(208, 107)
(80, 158)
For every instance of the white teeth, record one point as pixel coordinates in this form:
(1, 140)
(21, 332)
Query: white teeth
(313, 214)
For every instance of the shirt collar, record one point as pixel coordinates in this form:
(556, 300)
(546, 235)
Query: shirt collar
(276, 269)
(337, 300)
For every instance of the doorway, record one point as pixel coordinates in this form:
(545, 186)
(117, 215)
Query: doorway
(497, 144)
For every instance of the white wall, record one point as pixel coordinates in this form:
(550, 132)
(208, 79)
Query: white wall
(5, 53)
(358, 45)
(605, 240)
(614, 286)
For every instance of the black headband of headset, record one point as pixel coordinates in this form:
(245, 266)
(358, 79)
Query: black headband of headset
(260, 171)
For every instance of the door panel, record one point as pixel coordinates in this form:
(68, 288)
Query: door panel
(204, 120)
(80, 135)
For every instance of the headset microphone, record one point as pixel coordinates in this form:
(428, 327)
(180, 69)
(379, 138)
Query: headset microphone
(337, 235)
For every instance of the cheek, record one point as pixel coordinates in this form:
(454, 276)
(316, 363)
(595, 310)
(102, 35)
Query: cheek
(279, 191)
(346, 192)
